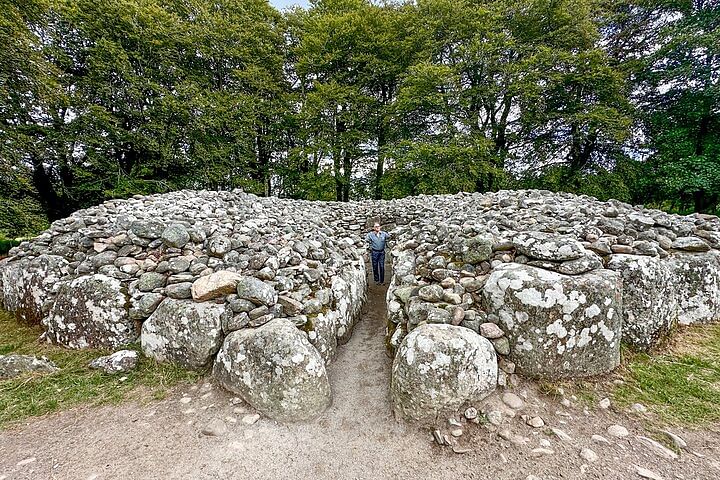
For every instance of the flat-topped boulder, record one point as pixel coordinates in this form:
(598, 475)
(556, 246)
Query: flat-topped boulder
(558, 326)
(276, 370)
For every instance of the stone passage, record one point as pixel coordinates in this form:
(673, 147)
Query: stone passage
(263, 290)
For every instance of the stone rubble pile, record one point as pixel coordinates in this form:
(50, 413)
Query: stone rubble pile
(546, 283)
(554, 281)
(183, 272)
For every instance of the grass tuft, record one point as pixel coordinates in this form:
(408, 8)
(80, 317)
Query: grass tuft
(75, 384)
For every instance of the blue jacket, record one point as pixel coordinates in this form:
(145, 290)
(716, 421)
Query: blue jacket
(377, 241)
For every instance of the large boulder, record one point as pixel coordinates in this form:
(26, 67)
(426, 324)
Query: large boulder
(184, 332)
(559, 326)
(348, 290)
(276, 370)
(322, 333)
(650, 307)
(31, 285)
(91, 312)
(440, 368)
(12, 284)
(696, 280)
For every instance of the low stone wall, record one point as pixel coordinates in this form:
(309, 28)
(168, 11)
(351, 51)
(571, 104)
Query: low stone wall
(554, 282)
(265, 289)
(182, 272)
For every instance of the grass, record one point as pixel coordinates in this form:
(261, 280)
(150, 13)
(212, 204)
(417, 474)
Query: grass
(681, 385)
(75, 384)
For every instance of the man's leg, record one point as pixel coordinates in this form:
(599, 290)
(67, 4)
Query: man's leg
(376, 272)
(381, 266)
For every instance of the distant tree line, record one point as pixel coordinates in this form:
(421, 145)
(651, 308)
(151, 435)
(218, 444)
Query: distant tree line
(351, 99)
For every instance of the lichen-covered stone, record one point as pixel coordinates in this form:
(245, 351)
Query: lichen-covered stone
(650, 306)
(558, 325)
(696, 281)
(119, 362)
(477, 249)
(175, 235)
(150, 281)
(12, 366)
(32, 285)
(143, 306)
(184, 332)
(150, 229)
(322, 333)
(276, 370)
(348, 292)
(91, 312)
(257, 291)
(690, 244)
(544, 246)
(439, 369)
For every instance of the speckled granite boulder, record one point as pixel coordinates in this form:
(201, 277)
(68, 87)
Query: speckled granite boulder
(91, 311)
(696, 280)
(31, 286)
(276, 370)
(559, 326)
(184, 332)
(440, 368)
(348, 290)
(650, 306)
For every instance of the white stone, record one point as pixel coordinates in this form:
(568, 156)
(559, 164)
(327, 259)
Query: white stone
(617, 431)
(588, 455)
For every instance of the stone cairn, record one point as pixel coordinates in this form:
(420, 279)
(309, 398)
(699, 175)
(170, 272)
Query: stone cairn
(265, 289)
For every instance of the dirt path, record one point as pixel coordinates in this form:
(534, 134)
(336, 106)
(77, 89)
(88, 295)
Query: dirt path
(357, 438)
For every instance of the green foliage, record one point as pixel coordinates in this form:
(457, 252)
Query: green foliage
(621, 182)
(75, 384)
(681, 106)
(352, 99)
(426, 168)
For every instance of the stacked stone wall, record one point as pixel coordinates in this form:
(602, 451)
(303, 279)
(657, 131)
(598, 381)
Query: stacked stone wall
(554, 282)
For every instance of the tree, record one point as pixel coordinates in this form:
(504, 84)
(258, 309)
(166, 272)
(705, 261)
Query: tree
(681, 92)
(27, 85)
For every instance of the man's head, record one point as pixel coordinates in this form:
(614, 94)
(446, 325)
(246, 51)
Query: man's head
(376, 227)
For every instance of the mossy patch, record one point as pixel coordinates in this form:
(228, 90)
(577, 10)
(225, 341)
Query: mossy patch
(75, 383)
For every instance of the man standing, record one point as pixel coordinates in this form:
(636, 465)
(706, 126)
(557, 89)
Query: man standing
(377, 240)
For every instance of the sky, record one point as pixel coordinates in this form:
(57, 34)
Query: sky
(280, 4)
